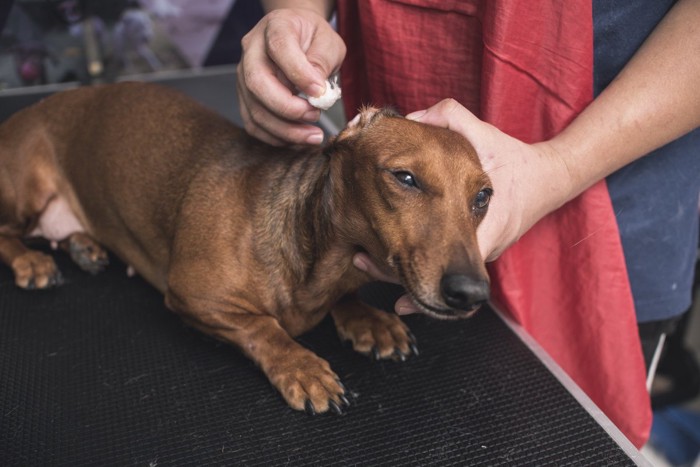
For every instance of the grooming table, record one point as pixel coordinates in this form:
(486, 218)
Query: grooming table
(98, 372)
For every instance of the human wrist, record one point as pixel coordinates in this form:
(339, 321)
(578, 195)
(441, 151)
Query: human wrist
(559, 176)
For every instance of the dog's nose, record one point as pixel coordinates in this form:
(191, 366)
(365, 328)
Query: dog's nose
(462, 292)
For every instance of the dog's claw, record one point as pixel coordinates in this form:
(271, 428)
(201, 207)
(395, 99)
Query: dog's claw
(57, 279)
(344, 400)
(413, 343)
(308, 383)
(53, 280)
(400, 355)
(335, 408)
(94, 267)
(374, 333)
(309, 407)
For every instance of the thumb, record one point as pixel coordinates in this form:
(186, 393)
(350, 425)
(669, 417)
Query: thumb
(364, 263)
(404, 306)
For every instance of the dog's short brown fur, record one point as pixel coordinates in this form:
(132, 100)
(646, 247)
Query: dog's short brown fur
(249, 243)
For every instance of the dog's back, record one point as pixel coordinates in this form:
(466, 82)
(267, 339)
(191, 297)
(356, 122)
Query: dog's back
(119, 156)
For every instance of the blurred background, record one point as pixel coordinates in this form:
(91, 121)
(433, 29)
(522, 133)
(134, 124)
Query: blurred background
(60, 41)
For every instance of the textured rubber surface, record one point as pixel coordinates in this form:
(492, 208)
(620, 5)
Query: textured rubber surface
(98, 372)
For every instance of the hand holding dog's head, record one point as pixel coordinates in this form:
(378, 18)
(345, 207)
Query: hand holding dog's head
(428, 194)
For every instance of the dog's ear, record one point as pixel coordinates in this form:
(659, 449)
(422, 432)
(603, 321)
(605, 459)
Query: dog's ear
(364, 119)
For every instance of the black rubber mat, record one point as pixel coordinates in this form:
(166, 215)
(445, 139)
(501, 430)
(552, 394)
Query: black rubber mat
(98, 372)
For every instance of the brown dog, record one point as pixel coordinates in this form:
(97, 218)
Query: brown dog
(249, 243)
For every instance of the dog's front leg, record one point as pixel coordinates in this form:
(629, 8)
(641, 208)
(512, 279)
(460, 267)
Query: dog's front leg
(32, 269)
(305, 380)
(373, 332)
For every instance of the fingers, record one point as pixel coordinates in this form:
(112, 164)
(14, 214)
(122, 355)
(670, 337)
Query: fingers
(262, 79)
(448, 113)
(279, 117)
(272, 129)
(529, 180)
(302, 47)
(489, 236)
(499, 154)
(404, 306)
(288, 51)
(364, 263)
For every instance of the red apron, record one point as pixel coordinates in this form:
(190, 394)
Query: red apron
(527, 68)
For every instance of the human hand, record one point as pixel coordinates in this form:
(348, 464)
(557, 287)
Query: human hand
(404, 305)
(287, 52)
(529, 181)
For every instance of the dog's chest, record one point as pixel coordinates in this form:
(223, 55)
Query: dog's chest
(312, 302)
(57, 221)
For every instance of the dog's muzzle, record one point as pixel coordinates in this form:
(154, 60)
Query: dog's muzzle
(462, 293)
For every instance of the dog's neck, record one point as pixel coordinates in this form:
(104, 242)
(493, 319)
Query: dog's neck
(310, 208)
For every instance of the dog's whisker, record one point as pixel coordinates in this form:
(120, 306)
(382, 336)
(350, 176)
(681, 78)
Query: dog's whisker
(492, 169)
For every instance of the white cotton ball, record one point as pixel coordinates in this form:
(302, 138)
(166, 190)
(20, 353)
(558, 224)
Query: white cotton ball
(329, 97)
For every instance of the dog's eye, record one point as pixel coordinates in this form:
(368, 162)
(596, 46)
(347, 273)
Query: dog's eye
(406, 178)
(482, 198)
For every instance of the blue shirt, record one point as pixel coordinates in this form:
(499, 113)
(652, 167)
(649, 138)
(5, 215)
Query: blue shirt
(656, 197)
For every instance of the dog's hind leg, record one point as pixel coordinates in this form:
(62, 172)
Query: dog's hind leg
(373, 332)
(85, 252)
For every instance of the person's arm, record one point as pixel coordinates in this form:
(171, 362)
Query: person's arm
(290, 50)
(654, 100)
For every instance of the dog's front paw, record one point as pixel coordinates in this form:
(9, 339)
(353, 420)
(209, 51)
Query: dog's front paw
(307, 383)
(36, 270)
(375, 333)
(86, 252)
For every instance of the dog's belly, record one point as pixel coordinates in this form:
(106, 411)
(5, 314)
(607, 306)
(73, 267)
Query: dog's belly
(57, 221)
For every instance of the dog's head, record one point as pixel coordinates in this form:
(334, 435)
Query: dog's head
(423, 193)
